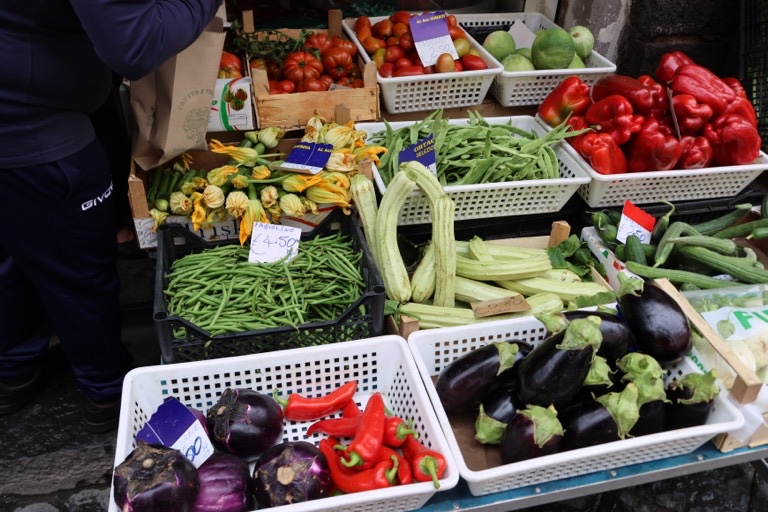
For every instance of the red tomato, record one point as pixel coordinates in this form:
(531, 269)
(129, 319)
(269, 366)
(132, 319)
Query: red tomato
(457, 66)
(372, 43)
(403, 63)
(382, 28)
(321, 42)
(344, 44)
(326, 80)
(445, 63)
(286, 86)
(274, 87)
(401, 16)
(406, 42)
(428, 70)
(300, 65)
(409, 71)
(230, 66)
(452, 20)
(472, 63)
(462, 46)
(310, 85)
(400, 28)
(387, 69)
(362, 21)
(363, 34)
(393, 41)
(337, 62)
(456, 32)
(393, 53)
(378, 57)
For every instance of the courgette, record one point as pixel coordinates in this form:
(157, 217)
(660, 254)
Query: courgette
(734, 266)
(743, 229)
(720, 245)
(664, 249)
(721, 222)
(678, 277)
(635, 250)
(662, 223)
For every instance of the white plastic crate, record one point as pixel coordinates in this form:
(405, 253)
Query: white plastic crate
(435, 90)
(382, 364)
(520, 88)
(501, 199)
(434, 349)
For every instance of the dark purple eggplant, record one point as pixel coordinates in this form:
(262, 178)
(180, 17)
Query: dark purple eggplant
(225, 485)
(245, 423)
(604, 419)
(659, 324)
(465, 381)
(291, 472)
(554, 371)
(652, 399)
(600, 379)
(690, 400)
(496, 411)
(154, 477)
(533, 432)
(617, 337)
(635, 365)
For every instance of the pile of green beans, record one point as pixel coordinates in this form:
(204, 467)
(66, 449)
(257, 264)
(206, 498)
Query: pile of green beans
(220, 291)
(478, 152)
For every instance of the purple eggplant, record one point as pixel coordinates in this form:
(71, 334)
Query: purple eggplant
(154, 477)
(554, 371)
(604, 419)
(465, 381)
(600, 379)
(245, 423)
(652, 399)
(225, 485)
(659, 324)
(690, 400)
(635, 365)
(495, 412)
(291, 472)
(617, 337)
(533, 432)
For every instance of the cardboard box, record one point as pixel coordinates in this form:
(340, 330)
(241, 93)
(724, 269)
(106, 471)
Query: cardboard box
(292, 111)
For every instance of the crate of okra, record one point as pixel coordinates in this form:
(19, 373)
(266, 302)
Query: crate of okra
(210, 302)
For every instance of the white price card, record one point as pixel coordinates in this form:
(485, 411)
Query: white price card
(635, 221)
(431, 37)
(273, 242)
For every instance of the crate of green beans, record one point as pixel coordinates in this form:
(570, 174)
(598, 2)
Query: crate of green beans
(210, 302)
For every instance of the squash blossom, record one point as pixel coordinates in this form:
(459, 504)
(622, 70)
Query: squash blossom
(220, 175)
(339, 179)
(337, 135)
(270, 136)
(298, 183)
(182, 162)
(199, 211)
(275, 212)
(341, 160)
(292, 206)
(215, 215)
(269, 196)
(161, 204)
(158, 217)
(309, 205)
(369, 151)
(261, 172)
(236, 203)
(253, 213)
(180, 203)
(312, 130)
(237, 153)
(330, 194)
(239, 181)
(213, 197)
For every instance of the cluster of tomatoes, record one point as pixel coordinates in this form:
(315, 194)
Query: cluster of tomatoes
(322, 61)
(389, 43)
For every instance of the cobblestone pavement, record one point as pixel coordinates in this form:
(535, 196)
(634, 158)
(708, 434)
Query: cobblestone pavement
(48, 464)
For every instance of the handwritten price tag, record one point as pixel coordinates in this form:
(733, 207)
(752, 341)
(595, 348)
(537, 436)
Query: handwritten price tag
(423, 152)
(635, 221)
(431, 37)
(273, 242)
(500, 306)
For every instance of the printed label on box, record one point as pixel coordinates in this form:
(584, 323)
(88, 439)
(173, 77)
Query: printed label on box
(231, 108)
(175, 426)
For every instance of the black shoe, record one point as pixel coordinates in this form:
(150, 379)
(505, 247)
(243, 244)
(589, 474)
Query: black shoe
(15, 396)
(100, 418)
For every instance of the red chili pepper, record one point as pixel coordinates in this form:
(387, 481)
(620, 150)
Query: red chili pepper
(603, 154)
(404, 472)
(395, 431)
(426, 464)
(703, 84)
(690, 114)
(347, 480)
(614, 115)
(638, 95)
(340, 427)
(668, 64)
(571, 96)
(696, 152)
(734, 140)
(351, 410)
(370, 433)
(301, 408)
(654, 148)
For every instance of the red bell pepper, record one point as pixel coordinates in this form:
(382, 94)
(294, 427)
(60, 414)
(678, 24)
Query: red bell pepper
(638, 95)
(654, 148)
(734, 140)
(743, 107)
(668, 64)
(369, 435)
(704, 85)
(576, 124)
(301, 408)
(571, 96)
(603, 154)
(690, 114)
(658, 94)
(696, 152)
(426, 464)
(614, 115)
(735, 84)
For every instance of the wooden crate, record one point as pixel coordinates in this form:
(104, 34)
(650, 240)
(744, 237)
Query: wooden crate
(292, 111)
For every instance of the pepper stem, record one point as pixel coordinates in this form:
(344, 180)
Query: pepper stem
(428, 466)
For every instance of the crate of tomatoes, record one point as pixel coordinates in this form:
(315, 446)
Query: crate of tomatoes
(300, 73)
(407, 84)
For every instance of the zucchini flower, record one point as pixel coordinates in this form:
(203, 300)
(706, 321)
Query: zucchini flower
(220, 175)
(338, 135)
(261, 172)
(269, 196)
(270, 136)
(275, 212)
(298, 183)
(213, 197)
(239, 181)
(199, 210)
(237, 153)
(330, 194)
(314, 126)
(236, 203)
(215, 215)
(161, 204)
(252, 135)
(253, 213)
(339, 179)
(369, 151)
(341, 160)
(292, 206)
(196, 184)
(182, 162)
(180, 203)
(309, 205)
(158, 217)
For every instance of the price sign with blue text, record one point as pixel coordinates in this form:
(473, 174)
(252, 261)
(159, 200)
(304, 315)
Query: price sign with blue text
(307, 157)
(273, 242)
(423, 152)
(431, 37)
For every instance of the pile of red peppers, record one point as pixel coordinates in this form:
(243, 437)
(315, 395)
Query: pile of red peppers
(382, 450)
(682, 117)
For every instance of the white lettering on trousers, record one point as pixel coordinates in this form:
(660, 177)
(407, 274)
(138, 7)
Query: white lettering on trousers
(96, 200)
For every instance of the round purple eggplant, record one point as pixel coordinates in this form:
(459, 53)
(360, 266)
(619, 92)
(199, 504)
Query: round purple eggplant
(495, 412)
(291, 472)
(465, 381)
(617, 337)
(690, 400)
(533, 432)
(659, 324)
(604, 419)
(225, 485)
(245, 423)
(554, 371)
(154, 477)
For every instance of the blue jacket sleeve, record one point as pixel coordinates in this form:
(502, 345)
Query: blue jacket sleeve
(134, 37)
